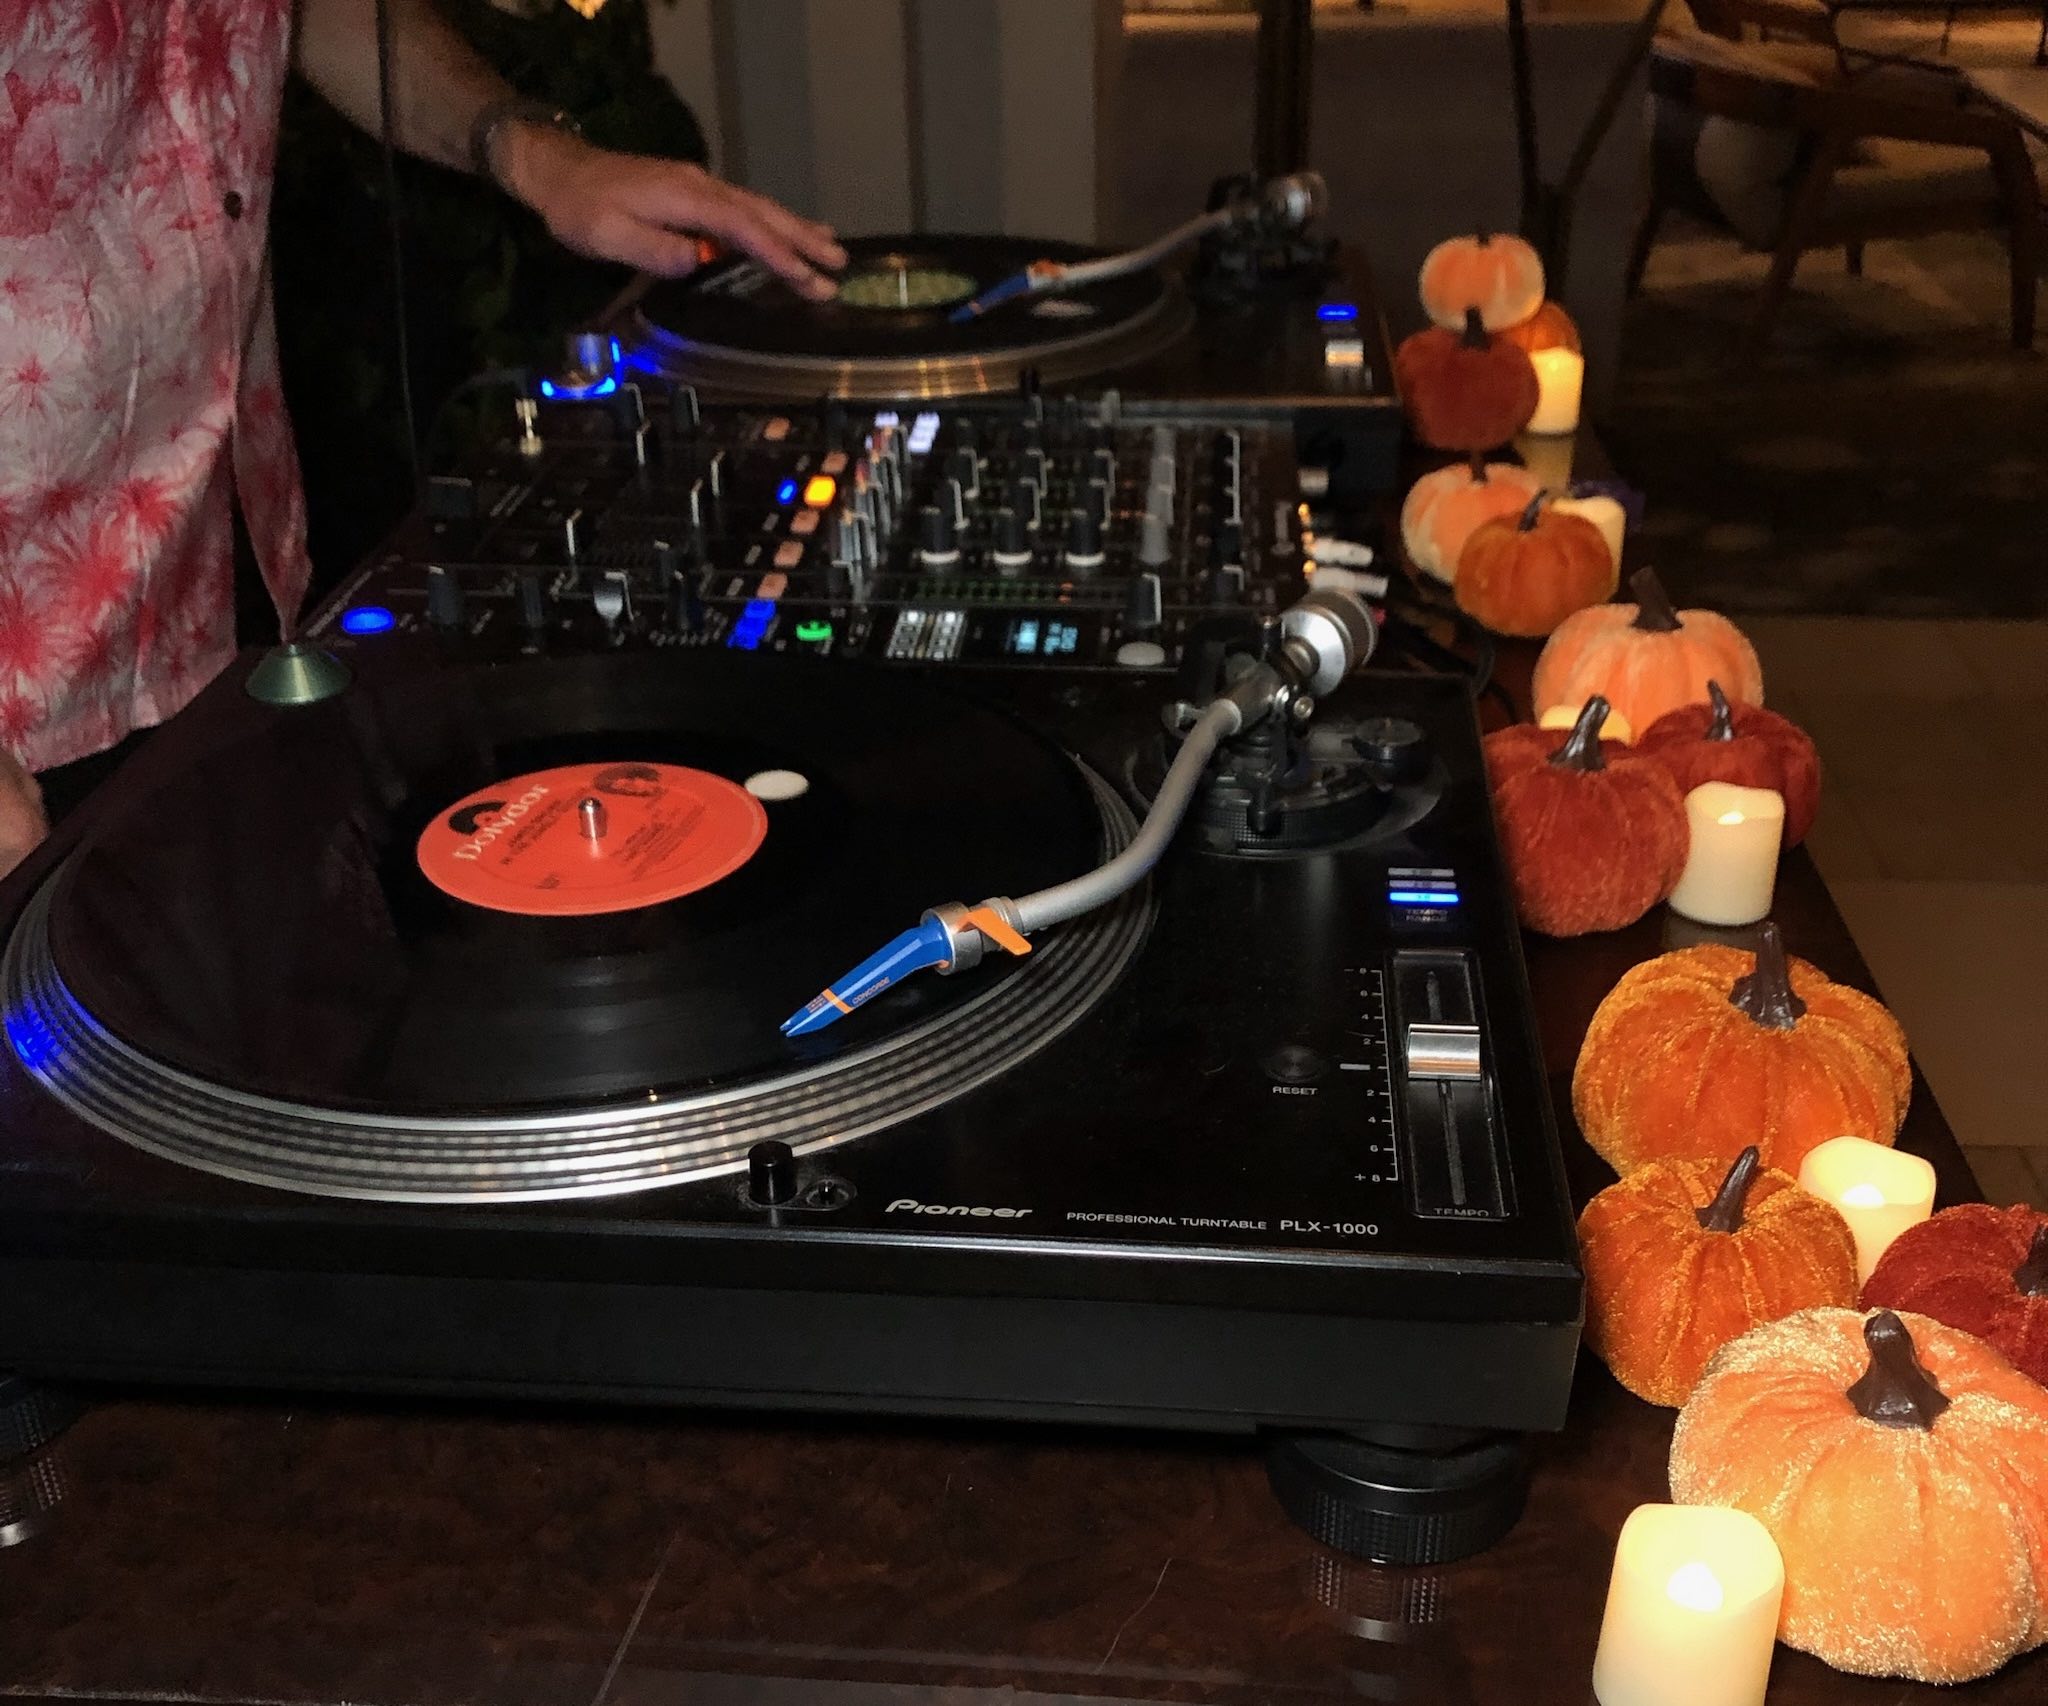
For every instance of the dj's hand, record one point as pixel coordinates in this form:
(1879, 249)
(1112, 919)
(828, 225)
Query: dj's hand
(22, 824)
(648, 213)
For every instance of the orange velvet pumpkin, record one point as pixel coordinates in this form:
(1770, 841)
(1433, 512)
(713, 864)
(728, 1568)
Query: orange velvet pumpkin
(1980, 1269)
(1646, 657)
(1523, 576)
(1743, 744)
(1902, 1468)
(1498, 277)
(1550, 327)
(1464, 391)
(1443, 507)
(1593, 836)
(1682, 1256)
(1697, 1054)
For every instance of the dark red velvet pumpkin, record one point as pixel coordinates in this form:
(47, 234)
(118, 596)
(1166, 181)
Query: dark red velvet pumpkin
(1978, 1268)
(1465, 391)
(1594, 836)
(1743, 744)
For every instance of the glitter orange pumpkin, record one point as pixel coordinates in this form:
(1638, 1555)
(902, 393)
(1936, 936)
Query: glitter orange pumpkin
(1902, 1468)
(1682, 1256)
(1725, 742)
(1980, 1269)
(1697, 1054)
(1465, 391)
(1646, 658)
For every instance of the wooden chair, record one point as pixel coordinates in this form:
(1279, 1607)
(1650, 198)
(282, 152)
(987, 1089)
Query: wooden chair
(1881, 153)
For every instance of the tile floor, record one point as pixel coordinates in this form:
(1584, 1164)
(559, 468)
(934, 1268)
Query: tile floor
(1933, 835)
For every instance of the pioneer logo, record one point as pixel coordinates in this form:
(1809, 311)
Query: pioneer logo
(910, 1205)
(486, 820)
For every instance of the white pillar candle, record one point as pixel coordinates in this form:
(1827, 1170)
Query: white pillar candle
(1692, 1609)
(1614, 726)
(1549, 459)
(1880, 1191)
(1560, 377)
(1732, 867)
(1604, 513)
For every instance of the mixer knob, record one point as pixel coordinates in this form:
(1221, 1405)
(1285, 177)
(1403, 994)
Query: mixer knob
(1034, 468)
(964, 467)
(1084, 539)
(681, 608)
(1226, 585)
(1145, 609)
(1155, 542)
(953, 496)
(1396, 750)
(446, 605)
(572, 534)
(1165, 472)
(1226, 544)
(1099, 500)
(1164, 443)
(1025, 500)
(533, 603)
(1102, 466)
(1009, 540)
(612, 598)
(938, 535)
(684, 414)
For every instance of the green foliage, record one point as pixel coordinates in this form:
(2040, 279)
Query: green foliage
(486, 285)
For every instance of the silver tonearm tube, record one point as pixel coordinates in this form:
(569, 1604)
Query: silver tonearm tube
(1324, 637)
(1287, 203)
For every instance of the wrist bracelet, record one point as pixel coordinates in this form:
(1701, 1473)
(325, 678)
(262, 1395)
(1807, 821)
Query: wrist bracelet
(483, 131)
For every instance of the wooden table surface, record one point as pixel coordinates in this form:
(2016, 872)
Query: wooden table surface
(311, 1552)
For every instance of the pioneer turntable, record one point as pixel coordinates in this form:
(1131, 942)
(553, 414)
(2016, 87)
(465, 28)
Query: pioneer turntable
(480, 997)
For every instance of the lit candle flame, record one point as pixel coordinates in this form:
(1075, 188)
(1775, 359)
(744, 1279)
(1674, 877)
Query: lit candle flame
(1863, 1196)
(1730, 818)
(1695, 1587)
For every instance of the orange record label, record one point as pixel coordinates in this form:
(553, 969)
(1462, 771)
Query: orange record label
(592, 838)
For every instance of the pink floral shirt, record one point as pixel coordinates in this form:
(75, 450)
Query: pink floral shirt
(139, 390)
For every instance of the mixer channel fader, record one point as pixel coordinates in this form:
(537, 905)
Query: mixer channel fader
(1012, 531)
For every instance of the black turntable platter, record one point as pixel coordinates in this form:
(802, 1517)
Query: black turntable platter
(890, 333)
(254, 935)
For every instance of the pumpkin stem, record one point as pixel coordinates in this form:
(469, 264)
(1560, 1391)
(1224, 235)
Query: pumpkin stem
(1654, 612)
(1724, 1213)
(1475, 330)
(2031, 1276)
(1534, 510)
(1477, 463)
(1766, 993)
(1722, 727)
(1581, 749)
(1895, 1391)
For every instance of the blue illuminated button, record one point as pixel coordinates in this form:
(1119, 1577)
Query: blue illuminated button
(785, 494)
(1425, 888)
(1337, 313)
(366, 619)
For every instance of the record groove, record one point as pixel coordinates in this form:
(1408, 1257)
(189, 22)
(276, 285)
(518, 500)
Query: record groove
(579, 1152)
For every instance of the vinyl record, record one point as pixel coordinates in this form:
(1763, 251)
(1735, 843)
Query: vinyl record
(261, 920)
(737, 330)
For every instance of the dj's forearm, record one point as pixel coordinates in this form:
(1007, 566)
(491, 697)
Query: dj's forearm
(439, 82)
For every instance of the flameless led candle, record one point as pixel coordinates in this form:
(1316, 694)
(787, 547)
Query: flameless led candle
(1549, 459)
(1732, 867)
(1880, 1191)
(1692, 1609)
(1560, 377)
(1603, 512)
(1614, 726)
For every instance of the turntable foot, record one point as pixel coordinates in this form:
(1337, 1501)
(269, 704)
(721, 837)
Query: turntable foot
(1418, 1501)
(31, 1416)
(296, 674)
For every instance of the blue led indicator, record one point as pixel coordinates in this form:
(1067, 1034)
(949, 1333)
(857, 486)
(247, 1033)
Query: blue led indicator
(366, 619)
(33, 1042)
(615, 352)
(1337, 313)
(1025, 641)
(578, 393)
(785, 494)
(1414, 897)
